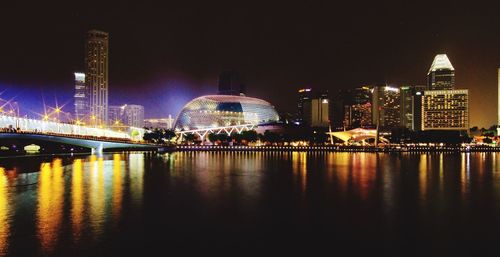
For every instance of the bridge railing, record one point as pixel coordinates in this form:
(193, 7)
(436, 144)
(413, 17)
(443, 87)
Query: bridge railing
(36, 126)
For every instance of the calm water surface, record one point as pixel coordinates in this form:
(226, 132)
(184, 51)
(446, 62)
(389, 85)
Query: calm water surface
(257, 204)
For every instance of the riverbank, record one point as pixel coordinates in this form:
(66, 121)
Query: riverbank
(340, 148)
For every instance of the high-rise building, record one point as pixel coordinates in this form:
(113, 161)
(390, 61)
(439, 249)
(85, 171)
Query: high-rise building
(353, 108)
(96, 76)
(230, 83)
(115, 114)
(164, 123)
(498, 95)
(133, 115)
(445, 110)
(386, 106)
(305, 95)
(410, 107)
(313, 108)
(441, 75)
(80, 97)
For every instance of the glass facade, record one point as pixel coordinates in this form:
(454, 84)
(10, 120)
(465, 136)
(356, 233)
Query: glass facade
(441, 75)
(81, 97)
(214, 111)
(445, 110)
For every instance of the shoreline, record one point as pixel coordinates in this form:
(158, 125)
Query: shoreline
(418, 149)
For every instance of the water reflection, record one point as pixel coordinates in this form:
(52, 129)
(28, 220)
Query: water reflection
(4, 212)
(50, 203)
(117, 186)
(77, 200)
(89, 201)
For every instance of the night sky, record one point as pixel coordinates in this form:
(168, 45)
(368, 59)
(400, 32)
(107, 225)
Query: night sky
(162, 55)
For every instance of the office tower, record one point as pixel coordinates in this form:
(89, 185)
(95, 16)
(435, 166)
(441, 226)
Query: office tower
(411, 110)
(164, 123)
(353, 108)
(81, 99)
(313, 108)
(386, 107)
(133, 115)
(115, 114)
(498, 95)
(305, 95)
(230, 83)
(96, 76)
(441, 75)
(445, 110)
(361, 108)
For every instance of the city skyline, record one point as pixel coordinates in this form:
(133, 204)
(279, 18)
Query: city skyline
(172, 77)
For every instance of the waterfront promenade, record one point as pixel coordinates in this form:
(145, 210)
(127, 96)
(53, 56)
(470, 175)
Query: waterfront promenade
(387, 149)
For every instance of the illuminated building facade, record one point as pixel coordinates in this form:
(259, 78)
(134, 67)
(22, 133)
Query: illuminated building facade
(445, 110)
(386, 106)
(357, 108)
(441, 75)
(213, 111)
(164, 123)
(80, 97)
(115, 114)
(498, 93)
(96, 75)
(133, 115)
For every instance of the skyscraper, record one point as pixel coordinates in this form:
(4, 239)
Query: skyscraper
(352, 108)
(230, 83)
(133, 115)
(80, 97)
(410, 106)
(441, 75)
(498, 95)
(313, 108)
(305, 95)
(445, 110)
(386, 106)
(96, 76)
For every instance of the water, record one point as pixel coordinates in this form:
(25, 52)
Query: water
(254, 204)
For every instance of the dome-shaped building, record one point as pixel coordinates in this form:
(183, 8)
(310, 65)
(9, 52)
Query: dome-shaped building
(212, 111)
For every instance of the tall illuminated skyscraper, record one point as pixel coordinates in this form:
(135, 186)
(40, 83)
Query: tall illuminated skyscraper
(445, 110)
(81, 99)
(498, 93)
(96, 72)
(386, 106)
(441, 75)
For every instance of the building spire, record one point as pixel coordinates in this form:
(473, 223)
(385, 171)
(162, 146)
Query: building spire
(441, 62)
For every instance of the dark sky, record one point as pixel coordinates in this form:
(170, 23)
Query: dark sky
(163, 54)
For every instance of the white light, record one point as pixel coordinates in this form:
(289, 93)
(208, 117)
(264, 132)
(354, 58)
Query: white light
(393, 89)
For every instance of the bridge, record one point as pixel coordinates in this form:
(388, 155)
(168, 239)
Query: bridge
(96, 139)
(202, 133)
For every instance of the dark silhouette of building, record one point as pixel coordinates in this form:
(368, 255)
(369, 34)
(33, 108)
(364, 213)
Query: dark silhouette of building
(230, 83)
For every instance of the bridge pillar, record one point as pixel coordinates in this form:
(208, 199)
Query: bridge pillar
(98, 149)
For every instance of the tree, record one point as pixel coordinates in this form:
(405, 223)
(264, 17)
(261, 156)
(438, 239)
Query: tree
(189, 137)
(169, 134)
(250, 136)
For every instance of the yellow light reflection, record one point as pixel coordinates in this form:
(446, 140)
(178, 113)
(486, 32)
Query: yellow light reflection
(4, 212)
(96, 195)
(50, 203)
(77, 207)
(117, 186)
(423, 177)
(136, 172)
(299, 167)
